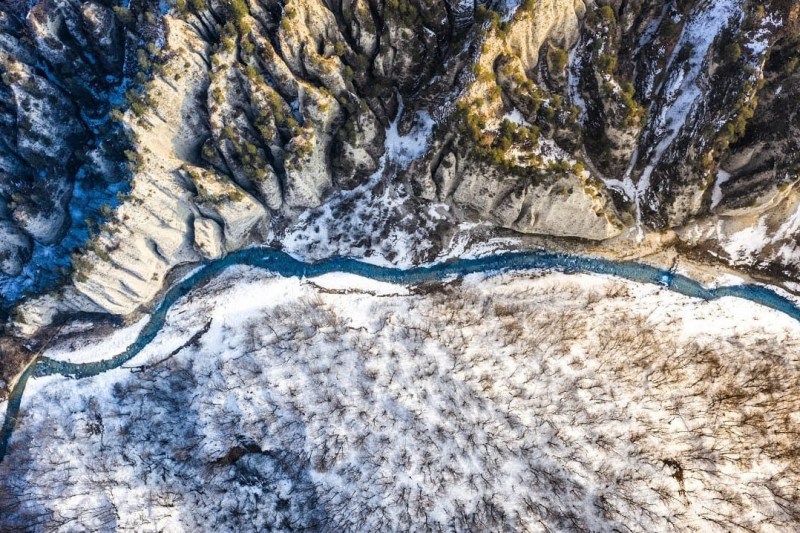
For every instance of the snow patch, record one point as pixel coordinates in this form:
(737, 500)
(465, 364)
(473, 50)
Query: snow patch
(516, 117)
(716, 195)
(377, 221)
(759, 42)
(743, 245)
(403, 149)
(77, 351)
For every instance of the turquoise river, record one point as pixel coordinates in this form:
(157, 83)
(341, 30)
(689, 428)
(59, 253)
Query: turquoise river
(282, 264)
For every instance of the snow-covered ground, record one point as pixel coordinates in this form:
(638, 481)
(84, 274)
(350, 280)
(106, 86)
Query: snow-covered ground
(379, 221)
(520, 402)
(758, 240)
(77, 351)
(716, 195)
(680, 94)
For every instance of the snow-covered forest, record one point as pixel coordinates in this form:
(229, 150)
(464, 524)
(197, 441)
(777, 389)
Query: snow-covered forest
(511, 403)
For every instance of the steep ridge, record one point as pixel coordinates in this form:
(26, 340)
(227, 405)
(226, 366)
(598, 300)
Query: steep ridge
(66, 67)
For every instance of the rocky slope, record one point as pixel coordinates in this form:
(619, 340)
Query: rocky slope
(375, 127)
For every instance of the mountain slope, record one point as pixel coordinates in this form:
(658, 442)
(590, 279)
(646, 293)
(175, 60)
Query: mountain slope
(374, 128)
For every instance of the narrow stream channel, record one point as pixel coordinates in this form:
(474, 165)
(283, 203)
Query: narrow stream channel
(284, 265)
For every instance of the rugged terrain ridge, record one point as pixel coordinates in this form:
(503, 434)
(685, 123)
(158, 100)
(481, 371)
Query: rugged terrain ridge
(140, 137)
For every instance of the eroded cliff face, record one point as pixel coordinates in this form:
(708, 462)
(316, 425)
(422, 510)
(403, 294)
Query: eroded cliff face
(343, 126)
(64, 66)
(505, 151)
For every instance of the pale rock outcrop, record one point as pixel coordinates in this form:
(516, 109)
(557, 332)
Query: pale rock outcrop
(764, 239)
(359, 148)
(542, 194)
(554, 20)
(479, 186)
(762, 193)
(241, 215)
(208, 238)
(152, 238)
(446, 176)
(35, 313)
(40, 110)
(310, 27)
(563, 208)
(47, 134)
(103, 27)
(362, 26)
(566, 206)
(151, 231)
(269, 187)
(400, 60)
(45, 226)
(309, 175)
(283, 79)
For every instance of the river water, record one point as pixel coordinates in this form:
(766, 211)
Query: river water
(282, 264)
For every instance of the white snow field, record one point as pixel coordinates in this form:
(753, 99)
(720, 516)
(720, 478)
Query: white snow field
(512, 403)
